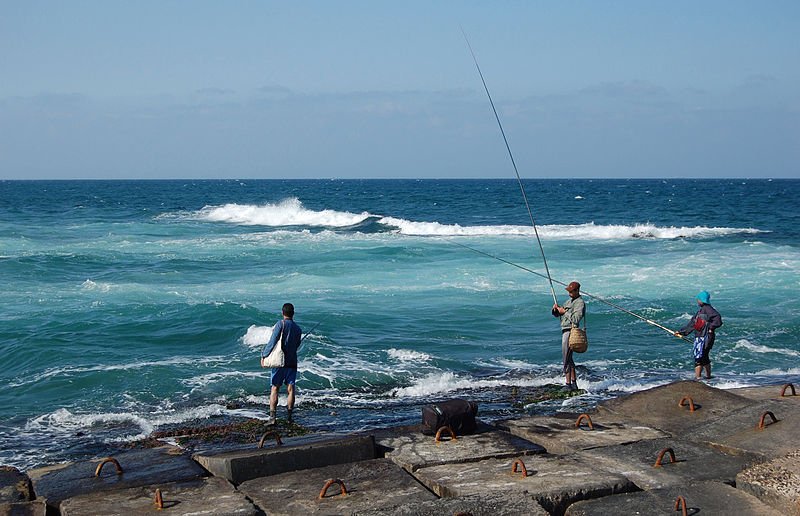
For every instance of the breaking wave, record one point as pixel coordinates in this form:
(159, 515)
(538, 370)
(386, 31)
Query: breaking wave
(291, 213)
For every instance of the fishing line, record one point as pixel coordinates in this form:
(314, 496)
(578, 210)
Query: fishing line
(609, 303)
(510, 155)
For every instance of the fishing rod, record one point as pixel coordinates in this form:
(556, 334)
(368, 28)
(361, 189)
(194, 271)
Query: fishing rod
(510, 155)
(311, 330)
(609, 303)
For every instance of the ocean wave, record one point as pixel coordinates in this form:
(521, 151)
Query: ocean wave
(290, 212)
(129, 426)
(756, 348)
(257, 336)
(73, 370)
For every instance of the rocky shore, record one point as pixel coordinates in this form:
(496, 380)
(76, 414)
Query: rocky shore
(683, 447)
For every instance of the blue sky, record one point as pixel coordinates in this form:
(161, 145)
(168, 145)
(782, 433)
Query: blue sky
(262, 89)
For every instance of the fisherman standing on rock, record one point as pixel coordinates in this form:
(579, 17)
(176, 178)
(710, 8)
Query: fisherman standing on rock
(703, 324)
(570, 314)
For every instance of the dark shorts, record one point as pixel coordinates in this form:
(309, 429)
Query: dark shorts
(705, 360)
(283, 375)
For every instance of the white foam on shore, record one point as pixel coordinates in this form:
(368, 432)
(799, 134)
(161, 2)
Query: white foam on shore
(444, 382)
(66, 422)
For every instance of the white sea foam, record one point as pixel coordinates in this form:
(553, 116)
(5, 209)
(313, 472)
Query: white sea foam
(75, 370)
(208, 379)
(100, 287)
(779, 372)
(444, 382)
(756, 348)
(289, 212)
(257, 336)
(63, 421)
(407, 355)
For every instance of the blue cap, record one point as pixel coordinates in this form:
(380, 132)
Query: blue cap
(704, 297)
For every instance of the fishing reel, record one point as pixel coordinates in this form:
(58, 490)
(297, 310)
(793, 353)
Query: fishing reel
(555, 313)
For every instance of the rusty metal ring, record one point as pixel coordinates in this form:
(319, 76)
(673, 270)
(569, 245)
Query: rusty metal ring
(762, 424)
(106, 461)
(442, 429)
(522, 467)
(328, 484)
(691, 403)
(680, 502)
(587, 418)
(787, 386)
(661, 457)
(276, 435)
(159, 500)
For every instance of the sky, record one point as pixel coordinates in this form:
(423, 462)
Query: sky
(110, 89)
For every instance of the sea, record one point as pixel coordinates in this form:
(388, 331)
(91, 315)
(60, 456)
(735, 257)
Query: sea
(134, 306)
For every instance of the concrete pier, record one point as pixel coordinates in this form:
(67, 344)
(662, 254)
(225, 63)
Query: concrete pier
(660, 407)
(721, 452)
(370, 485)
(561, 434)
(413, 450)
(710, 498)
(553, 481)
(137, 468)
(208, 496)
(776, 483)
(295, 454)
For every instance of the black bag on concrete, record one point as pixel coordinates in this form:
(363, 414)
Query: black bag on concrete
(458, 414)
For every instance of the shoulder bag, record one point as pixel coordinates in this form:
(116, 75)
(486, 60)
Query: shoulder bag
(275, 357)
(578, 342)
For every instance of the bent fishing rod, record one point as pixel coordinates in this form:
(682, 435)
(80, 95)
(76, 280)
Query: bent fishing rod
(510, 155)
(609, 303)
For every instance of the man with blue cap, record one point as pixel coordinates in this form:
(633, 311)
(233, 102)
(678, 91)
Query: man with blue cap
(703, 324)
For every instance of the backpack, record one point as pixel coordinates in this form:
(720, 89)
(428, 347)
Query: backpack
(458, 414)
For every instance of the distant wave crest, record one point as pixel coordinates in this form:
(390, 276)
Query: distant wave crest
(291, 212)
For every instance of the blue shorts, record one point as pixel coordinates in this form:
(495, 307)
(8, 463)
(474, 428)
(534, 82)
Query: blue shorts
(283, 375)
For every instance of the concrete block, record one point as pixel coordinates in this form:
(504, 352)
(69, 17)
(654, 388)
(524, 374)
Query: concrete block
(658, 407)
(776, 483)
(295, 454)
(769, 392)
(501, 504)
(15, 486)
(694, 462)
(559, 435)
(413, 450)
(210, 496)
(371, 485)
(139, 467)
(34, 508)
(701, 498)
(739, 432)
(553, 481)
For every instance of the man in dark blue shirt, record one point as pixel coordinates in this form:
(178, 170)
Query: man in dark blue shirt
(286, 334)
(704, 324)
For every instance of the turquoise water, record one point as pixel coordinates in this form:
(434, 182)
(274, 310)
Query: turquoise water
(130, 306)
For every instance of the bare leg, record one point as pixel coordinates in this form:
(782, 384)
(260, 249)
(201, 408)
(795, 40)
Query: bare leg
(697, 370)
(708, 370)
(290, 402)
(273, 399)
